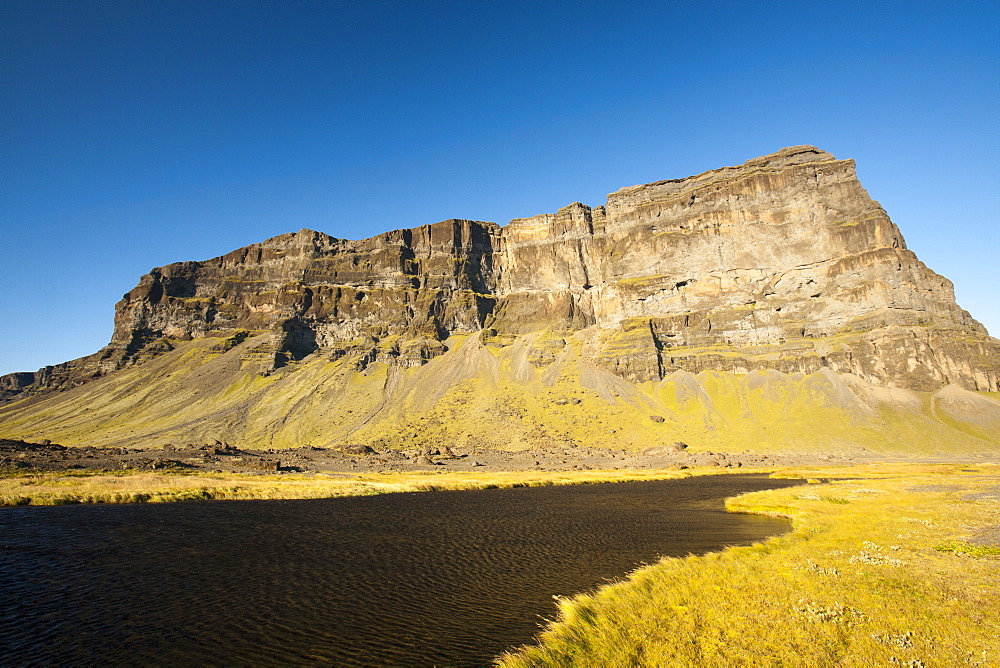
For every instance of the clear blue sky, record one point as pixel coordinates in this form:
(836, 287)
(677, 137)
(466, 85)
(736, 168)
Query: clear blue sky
(135, 134)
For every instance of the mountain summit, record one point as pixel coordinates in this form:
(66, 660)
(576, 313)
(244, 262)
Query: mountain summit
(675, 298)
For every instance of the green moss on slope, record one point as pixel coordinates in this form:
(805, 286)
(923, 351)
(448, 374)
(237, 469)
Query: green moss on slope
(506, 398)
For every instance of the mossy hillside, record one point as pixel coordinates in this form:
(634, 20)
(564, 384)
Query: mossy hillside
(765, 407)
(510, 397)
(896, 568)
(796, 412)
(135, 401)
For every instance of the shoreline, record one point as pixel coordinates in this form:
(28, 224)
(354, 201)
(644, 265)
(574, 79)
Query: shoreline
(895, 565)
(97, 486)
(54, 488)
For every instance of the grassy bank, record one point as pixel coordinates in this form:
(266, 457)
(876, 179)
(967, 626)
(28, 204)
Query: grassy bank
(70, 487)
(899, 566)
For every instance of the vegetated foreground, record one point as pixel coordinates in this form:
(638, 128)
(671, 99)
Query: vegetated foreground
(899, 565)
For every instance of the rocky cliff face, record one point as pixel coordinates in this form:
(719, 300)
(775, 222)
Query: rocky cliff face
(781, 263)
(784, 262)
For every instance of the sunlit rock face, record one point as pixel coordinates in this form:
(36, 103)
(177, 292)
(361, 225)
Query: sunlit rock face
(782, 263)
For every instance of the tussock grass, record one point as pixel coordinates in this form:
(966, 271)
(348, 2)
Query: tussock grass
(68, 487)
(968, 549)
(889, 577)
(65, 488)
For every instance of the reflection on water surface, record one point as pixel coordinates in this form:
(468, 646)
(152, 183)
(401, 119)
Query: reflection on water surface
(446, 578)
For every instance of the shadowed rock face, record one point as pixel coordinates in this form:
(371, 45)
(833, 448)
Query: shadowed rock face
(781, 263)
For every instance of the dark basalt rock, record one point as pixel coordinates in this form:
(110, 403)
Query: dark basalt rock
(356, 449)
(15, 445)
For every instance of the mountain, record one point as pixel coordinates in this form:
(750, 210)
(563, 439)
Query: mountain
(769, 305)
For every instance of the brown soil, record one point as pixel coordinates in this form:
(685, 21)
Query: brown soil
(21, 456)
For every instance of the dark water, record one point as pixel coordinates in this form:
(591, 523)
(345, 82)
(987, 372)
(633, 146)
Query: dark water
(446, 578)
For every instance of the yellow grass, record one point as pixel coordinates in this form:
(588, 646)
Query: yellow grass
(900, 567)
(68, 487)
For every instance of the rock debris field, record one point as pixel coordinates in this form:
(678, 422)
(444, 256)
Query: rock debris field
(22, 456)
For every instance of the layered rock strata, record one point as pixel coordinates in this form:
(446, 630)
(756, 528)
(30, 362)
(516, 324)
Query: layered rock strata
(782, 263)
